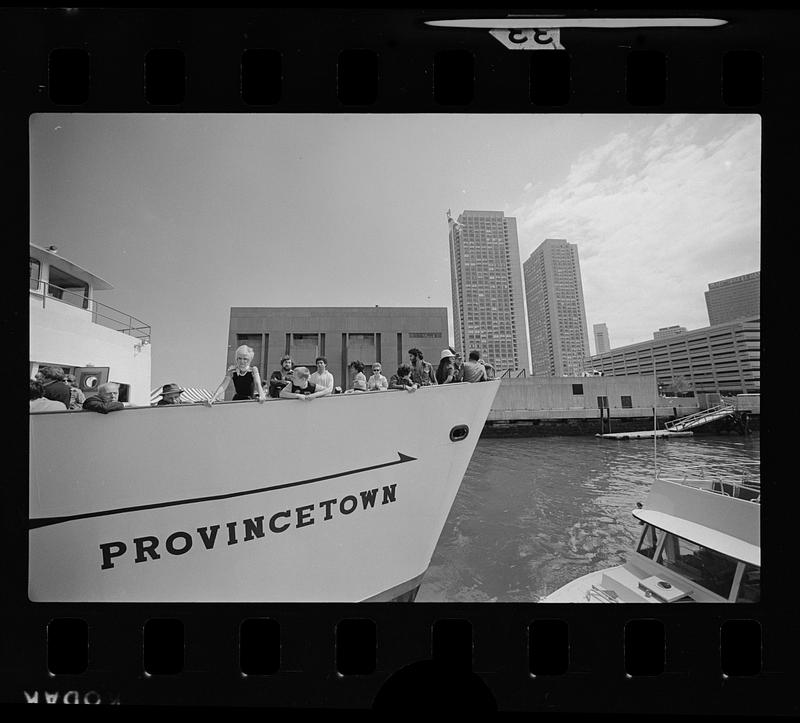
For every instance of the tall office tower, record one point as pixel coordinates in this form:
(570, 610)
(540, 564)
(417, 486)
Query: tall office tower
(601, 340)
(736, 298)
(667, 331)
(556, 312)
(486, 280)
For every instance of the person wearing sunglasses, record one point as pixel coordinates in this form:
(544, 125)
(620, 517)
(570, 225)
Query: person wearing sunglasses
(377, 382)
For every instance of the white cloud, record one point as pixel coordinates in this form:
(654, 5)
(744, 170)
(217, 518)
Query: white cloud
(657, 214)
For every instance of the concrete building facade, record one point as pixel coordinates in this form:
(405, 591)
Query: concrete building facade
(667, 331)
(735, 298)
(601, 341)
(488, 311)
(556, 310)
(721, 359)
(341, 334)
(583, 397)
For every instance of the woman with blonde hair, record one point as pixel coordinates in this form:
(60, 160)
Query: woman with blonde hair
(245, 378)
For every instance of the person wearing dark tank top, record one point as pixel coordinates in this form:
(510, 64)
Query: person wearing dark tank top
(246, 379)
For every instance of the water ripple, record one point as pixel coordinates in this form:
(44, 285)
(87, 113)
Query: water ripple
(533, 514)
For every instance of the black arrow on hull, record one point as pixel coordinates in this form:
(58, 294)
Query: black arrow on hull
(45, 521)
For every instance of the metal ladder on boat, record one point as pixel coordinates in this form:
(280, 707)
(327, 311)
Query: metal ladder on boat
(725, 409)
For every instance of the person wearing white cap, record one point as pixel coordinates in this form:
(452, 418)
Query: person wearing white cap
(445, 374)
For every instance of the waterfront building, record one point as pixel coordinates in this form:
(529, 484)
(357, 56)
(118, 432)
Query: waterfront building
(486, 279)
(575, 398)
(556, 311)
(720, 359)
(735, 298)
(601, 341)
(341, 334)
(665, 332)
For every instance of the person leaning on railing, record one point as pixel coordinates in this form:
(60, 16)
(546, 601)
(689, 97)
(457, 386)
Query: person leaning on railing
(402, 379)
(106, 399)
(54, 385)
(359, 379)
(473, 370)
(279, 379)
(377, 382)
(38, 403)
(77, 397)
(446, 371)
(302, 388)
(245, 378)
(422, 372)
(170, 396)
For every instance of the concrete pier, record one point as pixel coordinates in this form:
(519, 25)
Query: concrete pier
(535, 406)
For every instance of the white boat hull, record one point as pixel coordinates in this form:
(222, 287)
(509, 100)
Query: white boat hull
(337, 499)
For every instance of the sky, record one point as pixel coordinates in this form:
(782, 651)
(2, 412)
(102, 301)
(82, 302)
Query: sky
(187, 215)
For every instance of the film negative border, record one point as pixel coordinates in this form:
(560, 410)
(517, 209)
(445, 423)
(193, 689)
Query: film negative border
(105, 61)
(479, 656)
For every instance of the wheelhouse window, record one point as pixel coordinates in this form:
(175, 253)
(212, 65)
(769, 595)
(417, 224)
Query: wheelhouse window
(68, 288)
(708, 568)
(124, 392)
(750, 586)
(36, 273)
(627, 402)
(577, 389)
(651, 537)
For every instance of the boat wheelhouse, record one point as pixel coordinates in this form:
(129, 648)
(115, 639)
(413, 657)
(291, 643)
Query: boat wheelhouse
(70, 329)
(700, 542)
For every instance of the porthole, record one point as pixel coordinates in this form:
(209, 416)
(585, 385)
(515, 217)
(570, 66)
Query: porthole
(459, 432)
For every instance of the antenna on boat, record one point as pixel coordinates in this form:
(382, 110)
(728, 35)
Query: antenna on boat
(655, 420)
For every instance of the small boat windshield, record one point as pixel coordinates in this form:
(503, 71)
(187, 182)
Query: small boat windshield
(650, 540)
(706, 568)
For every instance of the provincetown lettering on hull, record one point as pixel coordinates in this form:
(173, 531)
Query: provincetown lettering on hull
(181, 505)
(151, 547)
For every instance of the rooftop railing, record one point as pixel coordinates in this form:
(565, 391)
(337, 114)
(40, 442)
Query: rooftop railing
(102, 314)
(735, 479)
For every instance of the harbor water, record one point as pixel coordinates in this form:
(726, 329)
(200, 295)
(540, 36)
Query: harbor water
(534, 513)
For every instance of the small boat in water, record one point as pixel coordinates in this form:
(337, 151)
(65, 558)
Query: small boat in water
(700, 542)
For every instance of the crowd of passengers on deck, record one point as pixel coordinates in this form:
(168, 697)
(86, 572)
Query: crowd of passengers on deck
(53, 390)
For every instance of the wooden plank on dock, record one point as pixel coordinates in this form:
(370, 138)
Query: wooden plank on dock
(647, 434)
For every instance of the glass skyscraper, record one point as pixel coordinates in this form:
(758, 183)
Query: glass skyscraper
(732, 299)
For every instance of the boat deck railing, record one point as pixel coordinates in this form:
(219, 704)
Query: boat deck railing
(102, 314)
(734, 479)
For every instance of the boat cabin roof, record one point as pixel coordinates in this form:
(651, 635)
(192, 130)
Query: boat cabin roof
(702, 535)
(72, 268)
